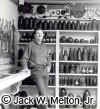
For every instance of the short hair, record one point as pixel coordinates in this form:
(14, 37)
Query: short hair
(36, 29)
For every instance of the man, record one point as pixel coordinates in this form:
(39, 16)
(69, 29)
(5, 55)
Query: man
(37, 55)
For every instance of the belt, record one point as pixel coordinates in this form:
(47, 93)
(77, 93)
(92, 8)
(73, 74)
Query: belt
(39, 66)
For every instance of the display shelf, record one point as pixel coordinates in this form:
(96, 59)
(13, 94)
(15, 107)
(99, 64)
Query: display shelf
(26, 43)
(79, 62)
(80, 31)
(22, 30)
(80, 87)
(79, 44)
(52, 74)
(75, 74)
(71, 19)
(50, 61)
(57, 2)
(57, 45)
(87, 29)
(51, 86)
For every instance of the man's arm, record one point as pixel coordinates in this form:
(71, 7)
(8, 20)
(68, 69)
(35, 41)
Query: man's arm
(26, 56)
(49, 59)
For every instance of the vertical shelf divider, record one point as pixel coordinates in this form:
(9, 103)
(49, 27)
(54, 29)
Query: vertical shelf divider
(98, 89)
(57, 66)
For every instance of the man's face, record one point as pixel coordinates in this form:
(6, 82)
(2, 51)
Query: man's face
(39, 35)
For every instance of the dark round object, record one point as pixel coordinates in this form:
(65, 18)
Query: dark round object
(20, 8)
(92, 41)
(82, 41)
(76, 41)
(63, 92)
(63, 39)
(58, 12)
(41, 9)
(70, 40)
(63, 12)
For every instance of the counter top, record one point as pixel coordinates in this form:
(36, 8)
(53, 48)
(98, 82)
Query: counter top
(6, 80)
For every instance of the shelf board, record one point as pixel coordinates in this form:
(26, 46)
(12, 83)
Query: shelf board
(51, 86)
(26, 43)
(32, 30)
(50, 43)
(62, 1)
(52, 74)
(79, 61)
(93, 62)
(24, 30)
(70, 74)
(79, 44)
(22, 43)
(21, 61)
(91, 87)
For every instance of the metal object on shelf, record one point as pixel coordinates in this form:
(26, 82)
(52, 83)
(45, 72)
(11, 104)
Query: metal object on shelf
(78, 10)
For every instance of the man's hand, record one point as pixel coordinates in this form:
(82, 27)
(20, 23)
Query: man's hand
(25, 69)
(48, 68)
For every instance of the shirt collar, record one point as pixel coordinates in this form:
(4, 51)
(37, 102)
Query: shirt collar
(37, 43)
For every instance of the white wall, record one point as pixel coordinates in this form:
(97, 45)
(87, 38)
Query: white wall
(8, 10)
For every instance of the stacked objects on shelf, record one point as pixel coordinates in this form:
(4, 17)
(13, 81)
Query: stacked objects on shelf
(58, 24)
(52, 70)
(82, 94)
(26, 37)
(49, 37)
(79, 54)
(51, 81)
(76, 68)
(29, 36)
(78, 81)
(71, 39)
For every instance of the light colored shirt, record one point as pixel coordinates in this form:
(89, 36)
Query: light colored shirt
(36, 55)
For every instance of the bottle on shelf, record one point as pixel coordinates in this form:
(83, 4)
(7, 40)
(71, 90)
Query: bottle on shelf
(89, 26)
(83, 70)
(20, 22)
(51, 80)
(50, 24)
(31, 20)
(55, 26)
(82, 26)
(45, 25)
(60, 25)
(84, 54)
(61, 54)
(94, 24)
(26, 23)
(68, 26)
(79, 54)
(61, 68)
(70, 56)
(75, 54)
(65, 55)
(62, 92)
(64, 25)
(86, 94)
(77, 82)
(70, 95)
(77, 25)
(85, 26)
(73, 69)
(94, 81)
(95, 69)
